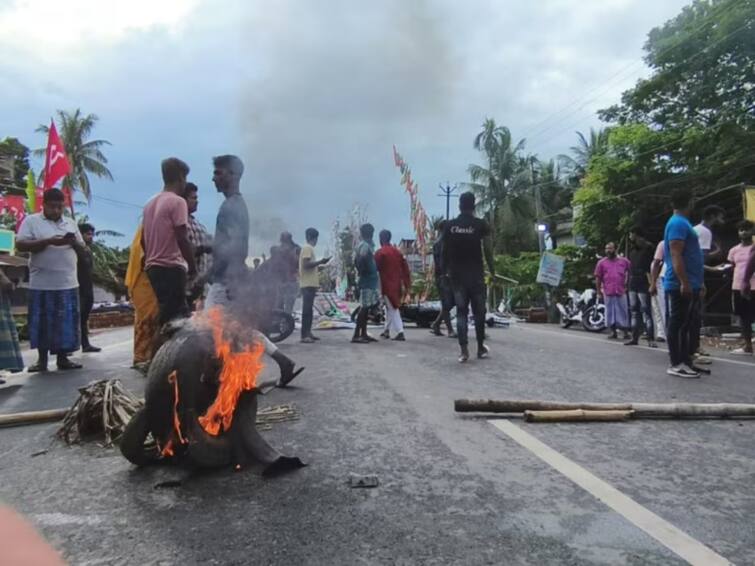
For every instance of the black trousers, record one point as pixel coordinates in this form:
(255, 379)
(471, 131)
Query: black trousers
(169, 285)
(683, 332)
(86, 302)
(465, 293)
(640, 309)
(308, 301)
(446, 295)
(745, 310)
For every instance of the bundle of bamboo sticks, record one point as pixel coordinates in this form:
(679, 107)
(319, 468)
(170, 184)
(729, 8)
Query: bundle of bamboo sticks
(103, 408)
(556, 411)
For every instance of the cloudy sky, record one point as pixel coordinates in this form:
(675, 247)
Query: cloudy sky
(313, 94)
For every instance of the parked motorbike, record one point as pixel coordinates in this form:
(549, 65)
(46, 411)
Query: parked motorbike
(277, 325)
(584, 308)
(374, 316)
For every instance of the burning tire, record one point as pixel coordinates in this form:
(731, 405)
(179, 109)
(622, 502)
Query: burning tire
(133, 441)
(187, 414)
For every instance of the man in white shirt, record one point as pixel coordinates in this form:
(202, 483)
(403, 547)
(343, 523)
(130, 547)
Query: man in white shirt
(713, 216)
(657, 272)
(53, 241)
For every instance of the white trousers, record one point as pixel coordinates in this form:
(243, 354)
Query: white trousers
(659, 311)
(393, 320)
(218, 296)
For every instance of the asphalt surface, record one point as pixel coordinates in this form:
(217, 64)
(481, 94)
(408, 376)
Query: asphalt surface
(453, 488)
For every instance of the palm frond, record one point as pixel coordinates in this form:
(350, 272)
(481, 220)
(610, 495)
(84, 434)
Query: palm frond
(96, 168)
(109, 233)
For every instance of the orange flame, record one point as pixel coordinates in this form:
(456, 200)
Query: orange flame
(168, 449)
(239, 373)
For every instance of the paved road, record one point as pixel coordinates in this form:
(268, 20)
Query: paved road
(454, 488)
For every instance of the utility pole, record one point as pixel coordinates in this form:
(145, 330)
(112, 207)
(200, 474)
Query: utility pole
(538, 209)
(447, 191)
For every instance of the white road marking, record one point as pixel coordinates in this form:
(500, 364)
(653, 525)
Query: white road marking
(677, 541)
(620, 343)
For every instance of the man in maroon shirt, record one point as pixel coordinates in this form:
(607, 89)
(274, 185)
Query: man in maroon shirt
(395, 283)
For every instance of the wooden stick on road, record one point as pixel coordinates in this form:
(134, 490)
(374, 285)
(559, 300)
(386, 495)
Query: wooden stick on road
(519, 406)
(638, 410)
(32, 417)
(576, 415)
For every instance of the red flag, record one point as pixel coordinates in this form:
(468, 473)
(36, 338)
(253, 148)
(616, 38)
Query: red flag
(15, 205)
(56, 162)
(39, 199)
(68, 195)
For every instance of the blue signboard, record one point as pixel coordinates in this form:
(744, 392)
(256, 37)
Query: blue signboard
(551, 269)
(7, 241)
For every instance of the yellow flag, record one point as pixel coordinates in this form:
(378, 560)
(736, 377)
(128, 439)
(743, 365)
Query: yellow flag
(748, 196)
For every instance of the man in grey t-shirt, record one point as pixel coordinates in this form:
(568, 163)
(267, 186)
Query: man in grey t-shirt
(229, 251)
(53, 241)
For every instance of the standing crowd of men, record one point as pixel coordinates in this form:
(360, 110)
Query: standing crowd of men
(176, 266)
(665, 285)
(458, 255)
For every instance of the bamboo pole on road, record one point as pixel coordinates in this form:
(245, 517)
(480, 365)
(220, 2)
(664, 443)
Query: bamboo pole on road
(639, 410)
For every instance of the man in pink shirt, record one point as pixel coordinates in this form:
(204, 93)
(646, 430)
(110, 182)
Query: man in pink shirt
(168, 254)
(743, 303)
(611, 278)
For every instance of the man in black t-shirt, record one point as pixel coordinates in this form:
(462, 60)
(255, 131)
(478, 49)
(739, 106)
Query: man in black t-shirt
(641, 257)
(464, 238)
(443, 284)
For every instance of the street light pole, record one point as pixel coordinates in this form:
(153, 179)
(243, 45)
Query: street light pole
(447, 191)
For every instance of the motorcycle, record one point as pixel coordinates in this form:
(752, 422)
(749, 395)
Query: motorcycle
(584, 308)
(374, 316)
(277, 325)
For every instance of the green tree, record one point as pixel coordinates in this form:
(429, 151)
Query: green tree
(554, 192)
(581, 154)
(85, 155)
(503, 187)
(109, 268)
(700, 92)
(624, 185)
(16, 152)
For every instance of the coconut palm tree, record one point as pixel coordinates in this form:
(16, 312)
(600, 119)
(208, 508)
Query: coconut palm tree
(555, 195)
(84, 155)
(585, 150)
(501, 185)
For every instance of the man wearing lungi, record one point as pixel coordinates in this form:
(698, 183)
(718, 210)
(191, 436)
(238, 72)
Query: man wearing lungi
(364, 261)
(53, 241)
(611, 277)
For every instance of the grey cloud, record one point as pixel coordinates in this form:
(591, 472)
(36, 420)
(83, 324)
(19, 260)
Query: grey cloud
(341, 82)
(313, 94)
